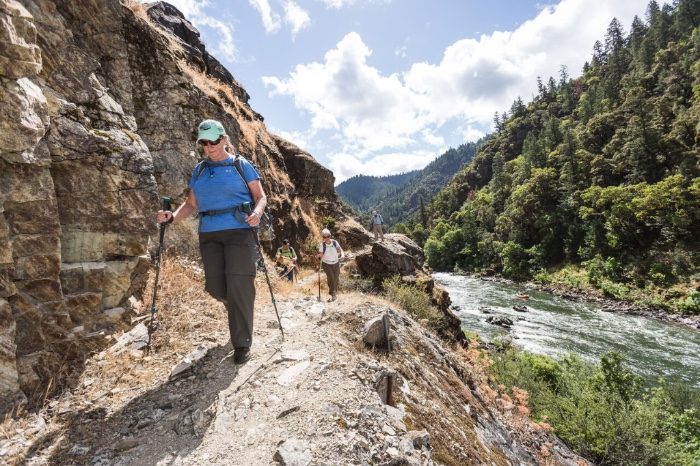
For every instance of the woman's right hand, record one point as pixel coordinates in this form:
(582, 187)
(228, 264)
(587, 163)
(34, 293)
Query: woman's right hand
(164, 216)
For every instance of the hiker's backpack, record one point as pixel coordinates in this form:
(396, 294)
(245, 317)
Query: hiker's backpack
(265, 227)
(335, 245)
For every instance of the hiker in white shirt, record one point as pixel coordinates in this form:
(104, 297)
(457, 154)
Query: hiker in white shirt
(330, 253)
(377, 226)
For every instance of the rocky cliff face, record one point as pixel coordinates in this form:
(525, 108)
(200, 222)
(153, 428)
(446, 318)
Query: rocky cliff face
(99, 108)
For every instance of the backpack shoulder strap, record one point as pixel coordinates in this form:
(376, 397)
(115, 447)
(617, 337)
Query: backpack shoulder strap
(199, 168)
(239, 169)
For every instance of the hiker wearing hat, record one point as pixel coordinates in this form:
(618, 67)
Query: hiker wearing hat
(330, 253)
(226, 229)
(288, 258)
(377, 224)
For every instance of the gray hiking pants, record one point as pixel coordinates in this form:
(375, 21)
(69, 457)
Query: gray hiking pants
(229, 258)
(333, 277)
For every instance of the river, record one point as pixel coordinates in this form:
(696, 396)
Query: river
(554, 326)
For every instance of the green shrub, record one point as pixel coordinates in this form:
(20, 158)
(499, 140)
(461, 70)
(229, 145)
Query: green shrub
(691, 304)
(329, 222)
(415, 301)
(614, 290)
(604, 412)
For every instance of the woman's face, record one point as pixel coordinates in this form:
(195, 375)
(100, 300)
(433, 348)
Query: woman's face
(214, 149)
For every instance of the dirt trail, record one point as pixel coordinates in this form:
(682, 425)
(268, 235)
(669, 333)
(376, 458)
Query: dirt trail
(314, 398)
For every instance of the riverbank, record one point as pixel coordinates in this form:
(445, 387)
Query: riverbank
(595, 296)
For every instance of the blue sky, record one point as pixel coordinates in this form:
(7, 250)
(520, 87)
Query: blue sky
(379, 87)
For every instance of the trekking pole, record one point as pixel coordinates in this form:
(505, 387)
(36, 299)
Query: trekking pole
(319, 281)
(166, 206)
(247, 208)
(267, 277)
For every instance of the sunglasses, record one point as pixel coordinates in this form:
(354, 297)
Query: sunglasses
(326, 236)
(205, 143)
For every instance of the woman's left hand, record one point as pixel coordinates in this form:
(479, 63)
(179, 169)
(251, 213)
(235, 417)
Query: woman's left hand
(253, 219)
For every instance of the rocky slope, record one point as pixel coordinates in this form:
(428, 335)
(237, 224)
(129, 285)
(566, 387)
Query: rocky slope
(99, 108)
(318, 397)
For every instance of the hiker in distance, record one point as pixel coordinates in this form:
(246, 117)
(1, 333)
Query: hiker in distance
(287, 257)
(330, 253)
(377, 226)
(226, 232)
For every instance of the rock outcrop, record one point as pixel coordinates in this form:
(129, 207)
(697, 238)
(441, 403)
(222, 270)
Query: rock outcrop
(99, 109)
(396, 255)
(399, 255)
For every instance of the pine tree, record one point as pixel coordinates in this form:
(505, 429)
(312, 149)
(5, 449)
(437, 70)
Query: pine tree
(423, 214)
(599, 58)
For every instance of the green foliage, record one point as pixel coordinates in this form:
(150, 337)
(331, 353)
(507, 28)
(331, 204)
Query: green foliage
(602, 170)
(328, 222)
(605, 412)
(413, 300)
(691, 303)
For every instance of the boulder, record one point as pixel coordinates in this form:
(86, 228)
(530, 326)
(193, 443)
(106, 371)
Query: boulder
(419, 438)
(293, 452)
(189, 361)
(501, 321)
(373, 333)
(396, 255)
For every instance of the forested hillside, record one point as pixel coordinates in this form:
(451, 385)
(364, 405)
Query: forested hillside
(398, 198)
(595, 182)
(363, 192)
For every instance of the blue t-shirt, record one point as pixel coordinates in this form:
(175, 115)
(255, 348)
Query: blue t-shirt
(219, 187)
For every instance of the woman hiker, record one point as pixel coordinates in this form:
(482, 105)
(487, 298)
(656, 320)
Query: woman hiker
(226, 231)
(330, 253)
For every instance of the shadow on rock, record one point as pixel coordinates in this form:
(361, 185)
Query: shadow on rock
(157, 427)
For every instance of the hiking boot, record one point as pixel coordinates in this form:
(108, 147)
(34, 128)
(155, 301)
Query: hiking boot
(241, 355)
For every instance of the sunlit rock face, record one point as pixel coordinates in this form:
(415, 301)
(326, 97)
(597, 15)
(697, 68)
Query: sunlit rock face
(98, 117)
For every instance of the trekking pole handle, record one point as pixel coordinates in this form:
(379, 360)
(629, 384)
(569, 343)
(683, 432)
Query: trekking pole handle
(168, 207)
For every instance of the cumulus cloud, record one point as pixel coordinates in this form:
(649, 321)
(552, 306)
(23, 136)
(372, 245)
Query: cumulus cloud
(337, 4)
(271, 20)
(296, 17)
(346, 94)
(344, 165)
(387, 117)
(195, 12)
(471, 134)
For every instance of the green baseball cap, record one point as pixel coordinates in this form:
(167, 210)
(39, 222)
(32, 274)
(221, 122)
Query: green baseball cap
(210, 130)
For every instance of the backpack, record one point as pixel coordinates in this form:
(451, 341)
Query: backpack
(265, 227)
(335, 245)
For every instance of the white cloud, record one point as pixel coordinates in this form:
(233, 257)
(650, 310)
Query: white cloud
(471, 134)
(296, 17)
(337, 4)
(300, 138)
(194, 11)
(345, 165)
(344, 93)
(431, 138)
(190, 8)
(226, 45)
(373, 114)
(400, 51)
(271, 20)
